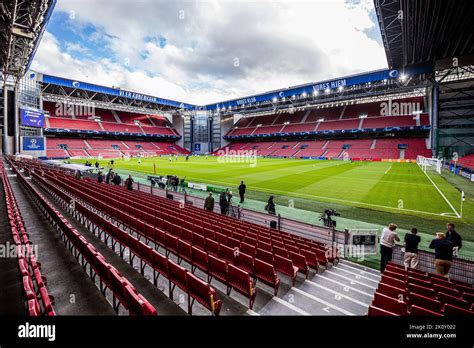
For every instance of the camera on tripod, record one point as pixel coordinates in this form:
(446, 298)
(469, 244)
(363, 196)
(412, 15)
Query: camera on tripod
(326, 217)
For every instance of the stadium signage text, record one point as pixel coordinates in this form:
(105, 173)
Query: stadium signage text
(331, 84)
(246, 101)
(138, 96)
(196, 186)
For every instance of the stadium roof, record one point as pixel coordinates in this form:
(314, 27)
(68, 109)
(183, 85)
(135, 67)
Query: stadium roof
(22, 24)
(309, 90)
(420, 31)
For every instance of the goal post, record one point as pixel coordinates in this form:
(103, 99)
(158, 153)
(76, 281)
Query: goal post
(429, 164)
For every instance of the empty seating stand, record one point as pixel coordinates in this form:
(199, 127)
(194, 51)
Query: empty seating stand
(212, 247)
(109, 278)
(37, 299)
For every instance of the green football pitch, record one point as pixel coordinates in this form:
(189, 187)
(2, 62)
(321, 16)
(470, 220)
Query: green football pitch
(394, 189)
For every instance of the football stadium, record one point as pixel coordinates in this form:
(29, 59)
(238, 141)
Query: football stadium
(345, 194)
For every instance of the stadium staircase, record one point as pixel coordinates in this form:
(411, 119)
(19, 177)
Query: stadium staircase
(116, 116)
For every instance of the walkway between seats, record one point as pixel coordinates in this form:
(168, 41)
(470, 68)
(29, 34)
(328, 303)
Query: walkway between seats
(11, 292)
(73, 290)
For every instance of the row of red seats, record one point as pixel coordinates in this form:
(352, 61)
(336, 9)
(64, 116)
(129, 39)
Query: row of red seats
(302, 254)
(168, 215)
(34, 284)
(415, 292)
(109, 277)
(231, 275)
(188, 282)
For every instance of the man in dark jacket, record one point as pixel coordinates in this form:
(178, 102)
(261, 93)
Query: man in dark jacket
(100, 178)
(454, 237)
(117, 180)
(129, 183)
(223, 203)
(443, 254)
(242, 188)
(209, 203)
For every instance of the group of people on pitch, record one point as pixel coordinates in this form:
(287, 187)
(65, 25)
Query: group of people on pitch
(446, 246)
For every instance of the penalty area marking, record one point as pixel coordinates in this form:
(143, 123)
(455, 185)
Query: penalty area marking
(442, 195)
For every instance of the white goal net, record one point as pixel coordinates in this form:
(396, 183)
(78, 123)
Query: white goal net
(429, 164)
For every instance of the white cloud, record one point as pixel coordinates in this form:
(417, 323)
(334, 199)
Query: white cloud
(216, 50)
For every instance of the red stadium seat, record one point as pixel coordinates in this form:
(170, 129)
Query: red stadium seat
(300, 262)
(379, 312)
(419, 311)
(242, 283)
(398, 275)
(217, 269)
(456, 301)
(177, 277)
(421, 290)
(285, 266)
(425, 302)
(450, 309)
(199, 260)
(245, 262)
(264, 255)
(226, 253)
(266, 274)
(160, 266)
(248, 249)
(199, 241)
(212, 247)
(389, 304)
(450, 291)
(393, 292)
(171, 244)
(184, 251)
(204, 294)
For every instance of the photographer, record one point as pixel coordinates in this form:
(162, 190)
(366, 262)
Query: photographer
(326, 217)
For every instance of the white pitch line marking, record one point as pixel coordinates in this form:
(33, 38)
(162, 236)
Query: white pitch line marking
(337, 293)
(352, 280)
(388, 169)
(442, 195)
(290, 306)
(327, 304)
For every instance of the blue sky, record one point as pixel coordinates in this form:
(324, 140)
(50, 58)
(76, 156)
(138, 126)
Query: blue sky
(208, 51)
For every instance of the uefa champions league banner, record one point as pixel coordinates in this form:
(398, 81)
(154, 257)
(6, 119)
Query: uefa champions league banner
(33, 144)
(32, 118)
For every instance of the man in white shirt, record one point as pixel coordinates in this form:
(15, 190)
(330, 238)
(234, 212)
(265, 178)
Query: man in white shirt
(387, 242)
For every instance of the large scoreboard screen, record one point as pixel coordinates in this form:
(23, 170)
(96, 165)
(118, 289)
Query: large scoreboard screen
(32, 118)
